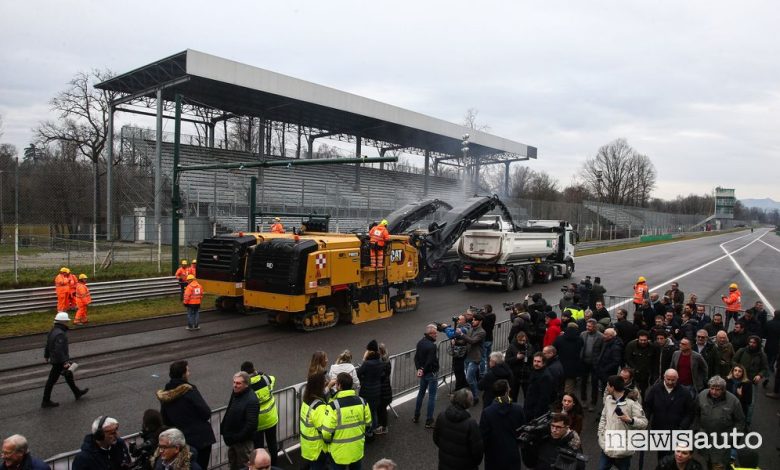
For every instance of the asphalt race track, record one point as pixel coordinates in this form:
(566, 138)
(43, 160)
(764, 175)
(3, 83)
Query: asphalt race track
(123, 365)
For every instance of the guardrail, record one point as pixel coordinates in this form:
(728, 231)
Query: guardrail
(18, 301)
(403, 380)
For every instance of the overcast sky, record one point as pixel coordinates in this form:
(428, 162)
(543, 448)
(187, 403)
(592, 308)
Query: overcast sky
(694, 85)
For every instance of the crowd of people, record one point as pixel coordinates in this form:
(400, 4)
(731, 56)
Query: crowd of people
(72, 294)
(670, 367)
(665, 366)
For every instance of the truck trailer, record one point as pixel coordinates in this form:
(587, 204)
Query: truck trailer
(540, 251)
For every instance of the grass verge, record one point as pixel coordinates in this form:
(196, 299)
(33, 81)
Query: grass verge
(44, 277)
(628, 246)
(40, 322)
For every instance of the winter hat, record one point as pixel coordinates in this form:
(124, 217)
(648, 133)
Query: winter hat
(373, 346)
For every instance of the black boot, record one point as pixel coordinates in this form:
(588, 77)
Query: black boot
(81, 393)
(49, 404)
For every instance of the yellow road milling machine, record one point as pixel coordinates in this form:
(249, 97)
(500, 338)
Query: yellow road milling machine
(315, 279)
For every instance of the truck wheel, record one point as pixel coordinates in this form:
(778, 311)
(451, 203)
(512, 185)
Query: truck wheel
(548, 277)
(567, 273)
(441, 277)
(454, 274)
(520, 281)
(509, 283)
(529, 277)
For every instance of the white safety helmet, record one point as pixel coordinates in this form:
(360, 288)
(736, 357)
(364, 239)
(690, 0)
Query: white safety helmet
(62, 316)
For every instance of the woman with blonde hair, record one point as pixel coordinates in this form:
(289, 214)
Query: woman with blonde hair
(343, 364)
(739, 384)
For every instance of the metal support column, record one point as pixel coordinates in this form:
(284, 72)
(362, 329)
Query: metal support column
(109, 165)
(506, 178)
(358, 151)
(252, 202)
(175, 202)
(212, 128)
(310, 149)
(427, 171)
(382, 155)
(261, 170)
(158, 163)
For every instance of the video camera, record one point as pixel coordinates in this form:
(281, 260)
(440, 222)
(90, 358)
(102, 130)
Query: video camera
(511, 306)
(569, 459)
(530, 434)
(142, 454)
(477, 310)
(449, 330)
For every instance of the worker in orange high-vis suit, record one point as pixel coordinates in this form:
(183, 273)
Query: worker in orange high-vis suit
(378, 237)
(62, 287)
(733, 303)
(73, 282)
(193, 268)
(82, 300)
(277, 227)
(181, 276)
(641, 292)
(193, 295)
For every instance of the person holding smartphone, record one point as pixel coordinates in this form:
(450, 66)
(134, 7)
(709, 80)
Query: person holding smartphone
(620, 413)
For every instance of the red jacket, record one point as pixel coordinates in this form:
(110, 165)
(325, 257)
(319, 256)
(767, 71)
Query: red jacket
(193, 293)
(379, 235)
(277, 228)
(553, 331)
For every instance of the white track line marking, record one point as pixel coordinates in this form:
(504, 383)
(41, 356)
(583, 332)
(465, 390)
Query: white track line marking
(745, 275)
(688, 273)
(771, 246)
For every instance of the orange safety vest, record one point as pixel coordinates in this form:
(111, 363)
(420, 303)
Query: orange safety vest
(277, 228)
(73, 282)
(192, 270)
(182, 273)
(640, 292)
(379, 235)
(193, 293)
(732, 301)
(62, 283)
(82, 294)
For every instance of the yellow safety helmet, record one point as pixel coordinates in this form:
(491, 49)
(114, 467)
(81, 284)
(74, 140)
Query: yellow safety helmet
(194, 261)
(277, 219)
(190, 277)
(82, 276)
(184, 262)
(64, 270)
(383, 222)
(733, 286)
(641, 279)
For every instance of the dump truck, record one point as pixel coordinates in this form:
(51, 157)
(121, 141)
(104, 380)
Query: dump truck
(540, 251)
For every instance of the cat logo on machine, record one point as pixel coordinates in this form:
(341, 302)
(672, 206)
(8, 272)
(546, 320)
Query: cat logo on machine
(397, 256)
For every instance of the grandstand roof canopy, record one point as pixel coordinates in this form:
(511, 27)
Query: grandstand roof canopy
(244, 90)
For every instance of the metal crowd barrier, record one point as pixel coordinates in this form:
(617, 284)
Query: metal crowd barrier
(288, 401)
(18, 301)
(403, 380)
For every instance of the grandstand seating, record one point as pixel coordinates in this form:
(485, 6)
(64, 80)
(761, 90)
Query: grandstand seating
(325, 189)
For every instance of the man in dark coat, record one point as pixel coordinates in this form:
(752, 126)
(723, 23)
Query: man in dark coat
(610, 358)
(498, 425)
(738, 337)
(519, 356)
(498, 370)
(593, 341)
(708, 351)
(240, 421)
(103, 449)
(541, 391)
(597, 292)
(542, 454)
(772, 348)
(756, 319)
(640, 354)
(625, 329)
(715, 325)
(183, 407)
(668, 405)
(426, 361)
(56, 353)
(554, 367)
(16, 455)
(457, 435)
(569, 347)
(663, 359)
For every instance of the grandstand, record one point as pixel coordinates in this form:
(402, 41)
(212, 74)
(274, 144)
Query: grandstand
(326, 189)
(638, 218)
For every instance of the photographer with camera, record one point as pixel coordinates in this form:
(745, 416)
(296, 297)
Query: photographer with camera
(151, 427)
(551, 446)
(519, 358)
(620, 413)
(474, 339)
(458, 348)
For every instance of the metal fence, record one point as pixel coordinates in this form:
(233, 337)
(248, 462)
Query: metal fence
(17, 301)
(288, 401)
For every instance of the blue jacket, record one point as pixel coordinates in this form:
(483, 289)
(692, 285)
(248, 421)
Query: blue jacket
(497, 426)
(92, 457)
(29, 463)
